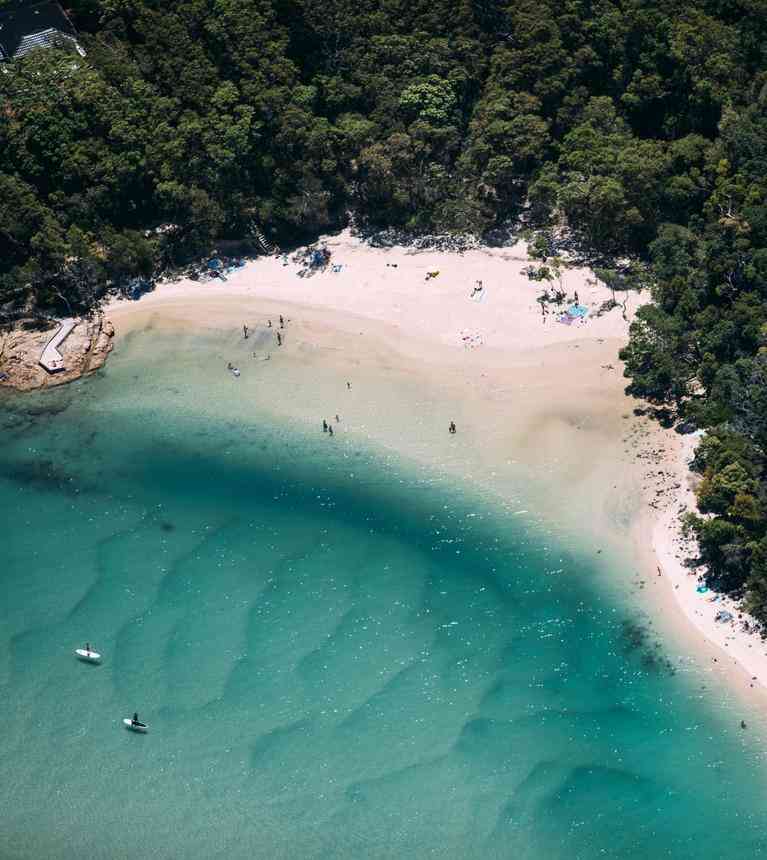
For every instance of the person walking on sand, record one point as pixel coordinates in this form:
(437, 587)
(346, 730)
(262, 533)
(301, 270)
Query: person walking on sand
(324, 426)
(337, 418)
(451, 428)
(349, 386)
(245, 331)
(269, 323)
(279, 339)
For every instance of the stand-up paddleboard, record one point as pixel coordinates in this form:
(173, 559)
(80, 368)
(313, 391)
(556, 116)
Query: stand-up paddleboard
(135, 727)
(88, 656)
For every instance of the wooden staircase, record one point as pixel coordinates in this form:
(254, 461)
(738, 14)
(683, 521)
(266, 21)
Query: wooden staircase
(265, 244)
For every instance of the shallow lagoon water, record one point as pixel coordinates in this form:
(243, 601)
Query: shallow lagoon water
(338, 655)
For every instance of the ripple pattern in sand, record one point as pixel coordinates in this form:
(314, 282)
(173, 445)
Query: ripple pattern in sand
(331, 668)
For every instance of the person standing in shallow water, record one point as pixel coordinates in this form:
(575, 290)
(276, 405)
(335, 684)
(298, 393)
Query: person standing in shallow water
(282, 322)
(330, 429)
(451, 428)
(279, 339)
(324, 426)
(349, 385)
(245, 331)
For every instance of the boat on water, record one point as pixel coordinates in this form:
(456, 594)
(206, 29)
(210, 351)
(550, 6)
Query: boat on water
(87, 655)
(135, 725)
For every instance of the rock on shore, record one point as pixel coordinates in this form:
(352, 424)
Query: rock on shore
(85, 350)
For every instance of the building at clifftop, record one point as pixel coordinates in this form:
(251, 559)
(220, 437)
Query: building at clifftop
(24, 27)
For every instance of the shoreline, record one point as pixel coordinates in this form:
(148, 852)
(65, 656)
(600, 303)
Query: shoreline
(516, 380)
(728, 645)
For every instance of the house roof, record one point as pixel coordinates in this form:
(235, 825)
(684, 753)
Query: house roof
(38, 25)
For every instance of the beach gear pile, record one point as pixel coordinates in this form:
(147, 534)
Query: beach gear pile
(311, 260)
(319, 258)
(471, 339)
(137, 287)
(573, 314)
(220, 267)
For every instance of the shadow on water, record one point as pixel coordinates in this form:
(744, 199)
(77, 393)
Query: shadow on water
(346, 657)
(636, 641)
(40, 474)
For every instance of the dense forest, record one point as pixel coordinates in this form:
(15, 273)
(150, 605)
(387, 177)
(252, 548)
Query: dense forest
(635, 128)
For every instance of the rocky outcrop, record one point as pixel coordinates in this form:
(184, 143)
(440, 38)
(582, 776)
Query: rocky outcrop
(85, 350)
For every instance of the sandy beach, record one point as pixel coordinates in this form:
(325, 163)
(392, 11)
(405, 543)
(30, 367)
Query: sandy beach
(726, 635)
(529, 393)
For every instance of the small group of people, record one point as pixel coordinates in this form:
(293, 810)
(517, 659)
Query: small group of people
(134, 722)
(282, 325)
(246, 334)
(246, 330)
(327, 427)
(452, 428)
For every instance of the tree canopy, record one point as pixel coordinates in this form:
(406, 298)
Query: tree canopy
(210, 115)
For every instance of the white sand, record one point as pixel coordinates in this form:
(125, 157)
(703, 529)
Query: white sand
(738, 649)
(505, 316)
(524, 389)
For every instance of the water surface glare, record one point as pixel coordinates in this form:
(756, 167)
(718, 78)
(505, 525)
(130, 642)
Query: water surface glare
(338, 655)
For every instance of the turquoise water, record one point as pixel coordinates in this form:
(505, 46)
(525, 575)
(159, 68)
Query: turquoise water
(338, 656)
